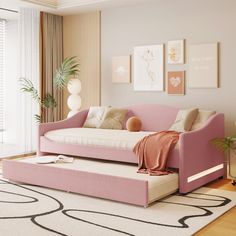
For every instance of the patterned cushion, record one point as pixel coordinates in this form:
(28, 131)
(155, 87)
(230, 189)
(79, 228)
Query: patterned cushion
(113, 118)
(95, 117)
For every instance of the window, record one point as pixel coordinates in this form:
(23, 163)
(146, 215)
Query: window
(2, 72)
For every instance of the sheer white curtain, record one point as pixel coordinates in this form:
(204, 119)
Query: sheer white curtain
(2, 76)
(29, 25)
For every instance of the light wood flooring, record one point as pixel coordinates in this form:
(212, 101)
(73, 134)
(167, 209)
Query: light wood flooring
(225, 225)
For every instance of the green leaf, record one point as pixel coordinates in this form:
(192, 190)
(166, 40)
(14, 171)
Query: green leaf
(28, 87)
(68, 68)
(38, 118)
(224, 144)
(49, 101)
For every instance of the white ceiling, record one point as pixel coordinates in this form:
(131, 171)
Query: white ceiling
(65, 7)
(71, 6)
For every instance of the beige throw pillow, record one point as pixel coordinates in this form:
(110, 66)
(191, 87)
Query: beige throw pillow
(113, 118)
(184, 120)
(201, 119)
(95, 117)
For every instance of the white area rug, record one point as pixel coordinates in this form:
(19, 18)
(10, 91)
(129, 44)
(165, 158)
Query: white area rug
(29, 210)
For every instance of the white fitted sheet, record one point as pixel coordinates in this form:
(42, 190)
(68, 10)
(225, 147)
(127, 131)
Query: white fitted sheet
(122, 139)
(158, 186)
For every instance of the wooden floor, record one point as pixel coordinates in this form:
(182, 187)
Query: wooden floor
(17, 157)
(226, 224)
(222, 226)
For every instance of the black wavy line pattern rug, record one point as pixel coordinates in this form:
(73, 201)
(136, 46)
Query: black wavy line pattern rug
(30, 210)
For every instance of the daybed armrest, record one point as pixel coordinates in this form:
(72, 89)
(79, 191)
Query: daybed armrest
(75, 121)
(198, 155)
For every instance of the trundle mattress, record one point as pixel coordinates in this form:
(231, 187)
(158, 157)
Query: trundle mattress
(114, 181)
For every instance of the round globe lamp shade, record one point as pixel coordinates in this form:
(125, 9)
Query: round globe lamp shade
(74, 102)
(74, 86)
(133, 124)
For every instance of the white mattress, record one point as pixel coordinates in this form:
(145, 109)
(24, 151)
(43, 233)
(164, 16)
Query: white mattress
(158, 186)
(121, 139)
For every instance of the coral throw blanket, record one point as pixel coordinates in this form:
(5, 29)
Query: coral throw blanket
(153, 151)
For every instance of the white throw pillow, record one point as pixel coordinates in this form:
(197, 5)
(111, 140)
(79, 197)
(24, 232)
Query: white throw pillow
(184, 120)
(95, 117)
(202, 117)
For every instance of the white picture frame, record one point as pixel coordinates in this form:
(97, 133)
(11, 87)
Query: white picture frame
(175, 52)
(149, 68)
(203, 66)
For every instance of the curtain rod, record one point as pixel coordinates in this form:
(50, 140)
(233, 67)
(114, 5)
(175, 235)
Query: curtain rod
(5, 9)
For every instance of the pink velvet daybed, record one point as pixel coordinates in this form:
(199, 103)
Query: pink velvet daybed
(196, 160)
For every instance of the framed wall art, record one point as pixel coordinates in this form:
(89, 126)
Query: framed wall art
(175, 51)
(121, 69)
(203, 66)
(176, 82)
(149, 68)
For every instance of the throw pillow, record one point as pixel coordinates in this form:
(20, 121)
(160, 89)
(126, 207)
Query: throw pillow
(95, 117)
(133, 124)
(113, 118)
(201, 119)
(184, 120)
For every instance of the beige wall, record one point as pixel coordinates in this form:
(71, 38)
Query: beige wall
(197, 21)
(82, 39)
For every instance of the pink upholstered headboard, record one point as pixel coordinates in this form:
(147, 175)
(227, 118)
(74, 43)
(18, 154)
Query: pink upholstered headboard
(154, 117)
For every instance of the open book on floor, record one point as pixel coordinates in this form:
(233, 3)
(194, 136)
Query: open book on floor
(53, 159)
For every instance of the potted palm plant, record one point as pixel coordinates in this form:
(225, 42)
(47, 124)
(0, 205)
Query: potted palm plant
(227, 145)
(68, 68)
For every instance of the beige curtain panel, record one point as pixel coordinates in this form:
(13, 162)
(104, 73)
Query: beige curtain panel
(51, 58)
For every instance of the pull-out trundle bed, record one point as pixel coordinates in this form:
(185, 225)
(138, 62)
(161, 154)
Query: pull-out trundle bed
(114, 181)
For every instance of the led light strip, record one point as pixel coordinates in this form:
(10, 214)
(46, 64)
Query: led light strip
(204, 173)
